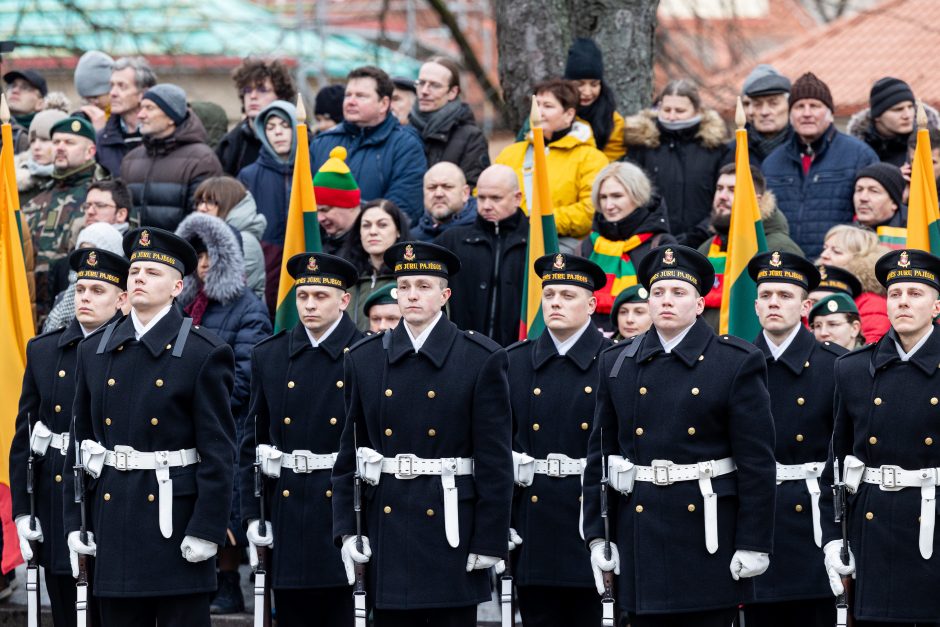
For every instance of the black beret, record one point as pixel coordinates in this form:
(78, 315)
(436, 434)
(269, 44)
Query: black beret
(411, 258)
(321, 269)
(783, 267)
(100, 265)
(565, 269)
(677, 262)
(153, 244)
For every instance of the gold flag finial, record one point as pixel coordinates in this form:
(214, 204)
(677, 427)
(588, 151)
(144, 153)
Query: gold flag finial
(4, 110)
(301, 110)
(739, 118)
(921, 115)
(535, 116)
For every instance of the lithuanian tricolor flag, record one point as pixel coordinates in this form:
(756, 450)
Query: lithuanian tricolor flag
(745, 239)
(16, 328)
(923, 216)
(543, 238)
(303, 230)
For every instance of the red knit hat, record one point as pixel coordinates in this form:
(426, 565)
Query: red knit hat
(334, 184)
(809, 86)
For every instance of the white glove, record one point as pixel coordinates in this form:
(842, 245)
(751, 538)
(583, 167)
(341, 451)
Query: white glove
(27, 535)
(255, 539)
(835, 569)
(748, 564)
(481, 562)
(601, 565)
(351, 556)
(514, 541)
(197, 550)
(76, 546)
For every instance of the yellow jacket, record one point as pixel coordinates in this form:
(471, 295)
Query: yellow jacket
(615, 148)
(573, 163)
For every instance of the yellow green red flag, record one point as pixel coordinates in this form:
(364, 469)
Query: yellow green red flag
(923, 216)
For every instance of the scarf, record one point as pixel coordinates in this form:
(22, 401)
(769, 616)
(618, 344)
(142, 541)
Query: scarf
(435, 122)
(197, 308)
(894, 237)
(681, 125)
(717, 257)
(36, 169)
(762, 145)
(613, 256)
(600, 115)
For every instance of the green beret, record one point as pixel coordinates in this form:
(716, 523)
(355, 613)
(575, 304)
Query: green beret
(74, 125)
(633, 294)
(839, 302)
(386, 295)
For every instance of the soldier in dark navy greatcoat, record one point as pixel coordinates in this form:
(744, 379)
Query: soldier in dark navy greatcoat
(153, 416)
(429, 406)
(45, 412)
(688, 441)
(794, 591)
(553, 383)
(295, 420)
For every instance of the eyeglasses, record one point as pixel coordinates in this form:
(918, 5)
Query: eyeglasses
(432, 85)
(97, 206)
(257, 89)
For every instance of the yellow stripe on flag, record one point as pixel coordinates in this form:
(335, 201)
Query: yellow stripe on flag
(923, 215)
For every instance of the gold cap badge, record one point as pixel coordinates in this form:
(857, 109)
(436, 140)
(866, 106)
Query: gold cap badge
(312, 264)
(822, 273)
(76, 126)
(904, 261)
(832, 305)
(409, 253)
(775, 259)
(559, 262)
(144, 239)
(92, 259)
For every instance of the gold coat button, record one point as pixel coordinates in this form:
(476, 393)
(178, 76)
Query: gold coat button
(934, 401)
(694, 391)
(691, 507)
(290, 384)
(588, 389)
(536, 427)
(701, 357)
(800, 401)
(159, 383)
(120, 348)
(537, 391)
(869, 516)
(806, 365)
(878, 400)
(639, 509)
(58, 478)
(430, 512)
(287, 420)
(431, 394)
(798, 508)
(61, 373)
(111, 382)
(154, 421)
(107, 496)
(928, 441)
(286, 493)
(150, 498)
(642, 391)
(329, 494)
(169, 346)
(388, 392)
(387, 509)
(691, 430)
(339, 384)
(639, 431)
(873, 440)
(534, 499)
(333, 421)
(107, 421)
(432, 432)
(799, 437)
(58, 409)
(388, 432)
(584, 426)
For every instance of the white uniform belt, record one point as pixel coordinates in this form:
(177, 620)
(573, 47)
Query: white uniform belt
(372, 465)
(302, 462)
(125, 458)
(42, 438)
(662, 472)
(525, 467)
(894, 478)
(810, 473)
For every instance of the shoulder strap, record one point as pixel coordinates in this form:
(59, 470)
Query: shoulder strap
(182, 336)
(630, 351)
(387, 339)
(105, 336)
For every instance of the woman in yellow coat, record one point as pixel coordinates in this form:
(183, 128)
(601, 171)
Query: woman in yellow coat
(573, 159)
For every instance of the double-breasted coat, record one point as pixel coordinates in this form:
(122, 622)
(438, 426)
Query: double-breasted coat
(137, 393)
(887, 413)
(297, 400)
(801, 386)
(553, 398)
(450, 399)
(705, 400)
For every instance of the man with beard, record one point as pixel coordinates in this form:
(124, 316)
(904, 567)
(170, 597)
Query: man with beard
(776, 230)
(447, 202)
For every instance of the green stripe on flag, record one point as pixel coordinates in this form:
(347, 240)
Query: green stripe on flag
(742, 320)
(312, 233)
(286, 315)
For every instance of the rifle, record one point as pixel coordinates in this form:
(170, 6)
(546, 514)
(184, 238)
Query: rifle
(32, 567)
(359, 590)
(262, 596)
(843, 615)
(505, 595)
(81, 584)
(607, 600)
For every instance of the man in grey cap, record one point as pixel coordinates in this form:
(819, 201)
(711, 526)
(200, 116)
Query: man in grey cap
(766, 98)
(93, 84)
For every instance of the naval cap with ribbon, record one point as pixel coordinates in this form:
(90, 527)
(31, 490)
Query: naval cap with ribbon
(835, 279)
(908, 266)
(837, 302)
(100, 265)
(321, 269)
(153, 244)
(783, 267)
(562, 269)
(677, 262)
(421, 258)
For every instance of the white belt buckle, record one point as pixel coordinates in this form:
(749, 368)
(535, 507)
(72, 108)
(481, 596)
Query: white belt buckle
(661, 472)
(121, 453)
(553, 467)
(889, 478)
(301, 464)
(405, 463)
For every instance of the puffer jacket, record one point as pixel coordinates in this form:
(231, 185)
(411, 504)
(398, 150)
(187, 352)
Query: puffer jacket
(250, 224)
(573, 163)
(387, 161)
(163, 174)
(461, 142)
(233, 313)
(682, 165)
(816, 202)
(872, 303)
(891, 150)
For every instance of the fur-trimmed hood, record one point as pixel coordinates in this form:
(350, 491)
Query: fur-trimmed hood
(861, 121)
(863, 267)
(226, 279)
(642, 130)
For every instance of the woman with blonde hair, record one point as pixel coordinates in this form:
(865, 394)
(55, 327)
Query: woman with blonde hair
(629, 220)
(856, 249)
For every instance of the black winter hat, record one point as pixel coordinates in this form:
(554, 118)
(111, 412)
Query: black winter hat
(585, 61)
(329, 102)
(889, 176)
(809, 86)
(887, 92)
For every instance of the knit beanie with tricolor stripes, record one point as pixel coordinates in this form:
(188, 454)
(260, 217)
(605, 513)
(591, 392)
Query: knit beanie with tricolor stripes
(334, 184)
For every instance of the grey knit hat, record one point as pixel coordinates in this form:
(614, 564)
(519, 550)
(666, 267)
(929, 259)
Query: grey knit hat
(170, 98)
(42, 123)
(101, 235)
(764, 80)
(93, 74)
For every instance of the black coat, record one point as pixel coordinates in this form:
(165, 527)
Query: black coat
(48, 391)
(886, 413)
(112, 145)
(487, 292)
(298, 407)
(137, 393)
(801, 386)
(461, 142)
(705, 400)
(238, 148)
(552, 409)
(450, 399)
